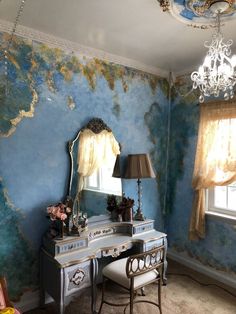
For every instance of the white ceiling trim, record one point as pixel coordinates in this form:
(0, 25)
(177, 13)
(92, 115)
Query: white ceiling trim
(69, 46)
(187, 71)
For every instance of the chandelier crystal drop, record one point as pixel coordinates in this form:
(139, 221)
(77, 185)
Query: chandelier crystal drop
(217, 75)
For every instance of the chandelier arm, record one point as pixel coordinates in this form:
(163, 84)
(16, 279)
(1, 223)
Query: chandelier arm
(228, 59)
(218, 21)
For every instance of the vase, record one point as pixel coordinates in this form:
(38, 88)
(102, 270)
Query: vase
(60, 224)
(114, 215)
(119, 218)
(128, 216)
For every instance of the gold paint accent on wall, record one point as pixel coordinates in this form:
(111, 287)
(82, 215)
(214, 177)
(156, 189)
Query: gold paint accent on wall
(13, 61)
(24, 114)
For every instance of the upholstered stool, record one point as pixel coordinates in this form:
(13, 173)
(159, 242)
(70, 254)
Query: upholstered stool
(133, 273)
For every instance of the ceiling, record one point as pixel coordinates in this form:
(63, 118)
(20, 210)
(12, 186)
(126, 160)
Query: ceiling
(133, 29)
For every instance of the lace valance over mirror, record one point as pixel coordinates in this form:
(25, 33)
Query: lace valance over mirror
(92, 154)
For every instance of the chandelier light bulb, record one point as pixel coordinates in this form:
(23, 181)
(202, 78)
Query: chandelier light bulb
(217, 75)
(233, 60)
(207, 61)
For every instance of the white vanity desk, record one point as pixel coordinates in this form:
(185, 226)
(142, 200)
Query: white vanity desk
(67, 266)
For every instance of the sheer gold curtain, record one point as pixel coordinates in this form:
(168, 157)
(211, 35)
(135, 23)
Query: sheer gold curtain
(94, 150)
(215, 162)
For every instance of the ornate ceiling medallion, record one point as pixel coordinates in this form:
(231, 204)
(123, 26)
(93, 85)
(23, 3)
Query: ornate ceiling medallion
(165, 5)
(197, 13)
(203, 8)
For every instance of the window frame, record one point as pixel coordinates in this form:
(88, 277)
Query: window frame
(100, 187)
(212, 209)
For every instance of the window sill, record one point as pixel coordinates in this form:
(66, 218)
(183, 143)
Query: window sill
(221, 217)
(116, 193)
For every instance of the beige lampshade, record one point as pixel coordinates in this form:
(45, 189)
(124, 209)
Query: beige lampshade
(139, 166)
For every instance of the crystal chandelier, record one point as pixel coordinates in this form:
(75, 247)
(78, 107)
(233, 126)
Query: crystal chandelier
(217, 75)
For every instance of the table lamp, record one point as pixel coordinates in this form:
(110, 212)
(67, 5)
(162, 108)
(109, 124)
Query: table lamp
(139, 166)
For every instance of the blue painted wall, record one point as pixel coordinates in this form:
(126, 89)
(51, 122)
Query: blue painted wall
(218, 249)
(51, 95)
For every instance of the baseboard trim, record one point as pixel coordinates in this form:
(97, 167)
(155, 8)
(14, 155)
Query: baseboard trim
(223, 277)
(30, 301)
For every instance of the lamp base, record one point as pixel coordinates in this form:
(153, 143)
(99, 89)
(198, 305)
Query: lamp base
(139, 215)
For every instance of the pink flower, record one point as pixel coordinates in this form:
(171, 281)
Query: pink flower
(57, 211)
(63, 217)
(68, 210)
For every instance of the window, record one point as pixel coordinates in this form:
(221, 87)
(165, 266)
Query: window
(102, 180)
(215, 162)
(222, 199)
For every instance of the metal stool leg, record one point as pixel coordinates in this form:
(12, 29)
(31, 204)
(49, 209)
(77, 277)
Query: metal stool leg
(131, 295)
(143, 291)
(159, 295)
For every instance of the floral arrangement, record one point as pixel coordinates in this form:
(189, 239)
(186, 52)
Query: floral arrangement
(120, 210)
(59, 211)
(125, 204)
(59, 215)
(112, 203)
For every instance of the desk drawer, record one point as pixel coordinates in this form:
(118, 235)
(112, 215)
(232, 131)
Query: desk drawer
(146, 226)
(77, 277)
(153, 244)
(115, 251)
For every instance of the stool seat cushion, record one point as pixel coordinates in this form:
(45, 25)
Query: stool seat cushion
(116, 271)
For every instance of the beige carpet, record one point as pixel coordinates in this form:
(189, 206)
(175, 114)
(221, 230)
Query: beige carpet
(182, 295)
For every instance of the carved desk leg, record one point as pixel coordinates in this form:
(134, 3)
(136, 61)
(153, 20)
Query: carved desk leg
(61, 307)
(94, 272)
(61, 303)
(164, 278)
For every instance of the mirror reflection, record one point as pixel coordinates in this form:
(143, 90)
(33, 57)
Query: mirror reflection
(102, 180)
(93, 154)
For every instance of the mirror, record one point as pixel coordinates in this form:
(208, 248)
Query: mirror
(93, 154)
